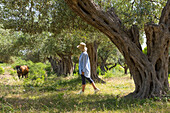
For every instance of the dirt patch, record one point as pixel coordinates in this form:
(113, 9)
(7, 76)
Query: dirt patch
(117, 78)
(4, 76)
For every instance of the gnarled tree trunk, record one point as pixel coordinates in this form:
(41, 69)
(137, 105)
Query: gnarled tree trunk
(150, 72)
(125, 67)
(64, 66)
(92, 52)
(53, 63)
(102, 65)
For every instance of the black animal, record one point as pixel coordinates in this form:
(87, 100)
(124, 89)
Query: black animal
(22, 71)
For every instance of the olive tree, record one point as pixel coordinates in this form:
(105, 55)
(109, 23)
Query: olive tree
(150, 72)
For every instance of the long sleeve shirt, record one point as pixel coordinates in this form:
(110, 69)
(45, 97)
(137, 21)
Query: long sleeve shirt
(84, 64)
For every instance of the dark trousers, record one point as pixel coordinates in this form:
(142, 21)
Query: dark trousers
(83, 78)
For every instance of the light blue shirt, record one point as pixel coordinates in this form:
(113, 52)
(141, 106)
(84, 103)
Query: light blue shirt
(84, 64)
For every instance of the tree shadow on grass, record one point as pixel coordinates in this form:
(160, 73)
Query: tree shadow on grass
(72, 84)
(68, 102)
(54, 100)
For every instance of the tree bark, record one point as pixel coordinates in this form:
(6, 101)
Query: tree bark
(64, 66)
(150, 72)
(92, 52)
(102, 65)
(169, 66)
(53, 63)
(125, 67)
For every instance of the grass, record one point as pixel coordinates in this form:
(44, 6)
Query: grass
(59, 94)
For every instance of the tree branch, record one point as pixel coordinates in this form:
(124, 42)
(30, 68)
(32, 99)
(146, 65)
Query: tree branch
(134, 35)
(165, 17)
(95, 16)
(107, 22)
(113, 66)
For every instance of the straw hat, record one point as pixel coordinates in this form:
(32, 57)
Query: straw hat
(82, 46)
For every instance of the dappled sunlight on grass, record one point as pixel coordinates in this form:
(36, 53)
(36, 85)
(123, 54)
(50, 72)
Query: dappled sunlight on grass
(118, 86)
(59, 94)
(63, 102)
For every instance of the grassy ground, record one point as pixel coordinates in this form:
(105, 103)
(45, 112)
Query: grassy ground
(60, 95)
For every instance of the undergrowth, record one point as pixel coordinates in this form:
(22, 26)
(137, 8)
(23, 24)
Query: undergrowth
(49, 93)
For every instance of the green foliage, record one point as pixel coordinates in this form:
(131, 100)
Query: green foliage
(48, 69)
(39, 16)
(18, 61)
(6, 44)
(99, 71)
(38, 82)
(12, 71)
(117, 71)
(6, 108)
(145, 51)
(37, 72)
(50, 30)
(1, 70)
(17, 44)
(134, 12)
(108, 74)
(56, 84)
(36, 75)
(107, 52)
(118, 68)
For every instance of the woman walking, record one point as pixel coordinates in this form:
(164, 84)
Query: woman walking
(84, 68)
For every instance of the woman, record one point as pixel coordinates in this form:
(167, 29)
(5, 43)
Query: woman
(84, 68)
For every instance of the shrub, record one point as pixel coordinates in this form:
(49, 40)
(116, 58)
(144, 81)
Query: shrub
(27, 82)
(119, 68)
(36, 82)
(2, 70)
(48, 69)
(37, 74)
(108, 74)
(7, 108)
(99, 71)
(37, 71)
(12, 72)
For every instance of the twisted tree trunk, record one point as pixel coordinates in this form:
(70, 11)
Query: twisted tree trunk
(66, 65)
(92, 52)
(150, 72)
